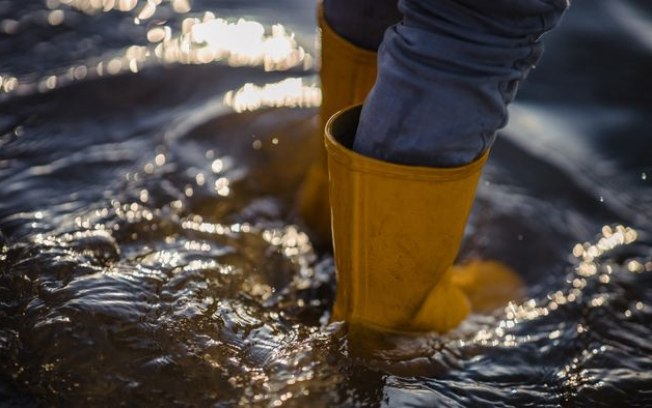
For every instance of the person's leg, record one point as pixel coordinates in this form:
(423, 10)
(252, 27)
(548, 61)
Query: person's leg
(350, 31)
(402, 186)
(446, 75)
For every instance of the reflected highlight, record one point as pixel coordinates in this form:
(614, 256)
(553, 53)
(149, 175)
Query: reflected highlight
(240, 43)
(200, 40)
(290, 93)
(588, 273)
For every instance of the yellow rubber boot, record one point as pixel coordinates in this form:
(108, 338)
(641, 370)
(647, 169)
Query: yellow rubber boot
(396, 232)
(348, 72)
(488, 284)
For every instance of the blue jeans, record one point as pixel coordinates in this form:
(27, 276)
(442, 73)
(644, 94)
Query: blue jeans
(446, 72)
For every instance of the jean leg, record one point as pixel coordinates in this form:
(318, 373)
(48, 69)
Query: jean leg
(446, 74)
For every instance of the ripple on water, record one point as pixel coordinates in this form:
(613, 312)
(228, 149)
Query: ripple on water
(149, 253)
(145, 300)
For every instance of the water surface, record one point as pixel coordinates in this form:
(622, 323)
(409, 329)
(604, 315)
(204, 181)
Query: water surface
(150, 255)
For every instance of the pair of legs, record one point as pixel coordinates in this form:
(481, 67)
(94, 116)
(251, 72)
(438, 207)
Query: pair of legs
(447, 71)
(403, 168)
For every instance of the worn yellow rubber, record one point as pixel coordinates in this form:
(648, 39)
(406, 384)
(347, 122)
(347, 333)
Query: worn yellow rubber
(347, 74)
(397, 230)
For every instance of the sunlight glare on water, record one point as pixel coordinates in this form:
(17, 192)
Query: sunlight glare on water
(150, 254)
(195, 40)
(290, 92)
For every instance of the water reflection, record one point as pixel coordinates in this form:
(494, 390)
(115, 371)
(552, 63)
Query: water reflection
(97, 6)
(146, 8)
(290, 93)
(8, 83)
(201, 39)
(243, 42)
(149, 254)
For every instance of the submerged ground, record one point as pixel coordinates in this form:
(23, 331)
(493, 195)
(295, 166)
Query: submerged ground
(150, 153)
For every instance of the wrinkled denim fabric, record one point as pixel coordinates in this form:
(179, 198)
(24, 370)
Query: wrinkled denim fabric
(446, 75)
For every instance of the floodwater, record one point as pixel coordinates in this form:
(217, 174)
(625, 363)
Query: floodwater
(150, 153)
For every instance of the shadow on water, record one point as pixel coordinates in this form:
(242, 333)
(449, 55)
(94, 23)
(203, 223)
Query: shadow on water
(150, 253)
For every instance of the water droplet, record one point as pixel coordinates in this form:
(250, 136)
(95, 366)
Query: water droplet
(200, 179)
(144, 195)
(217, 166)
(51, 82)
(80, 72)
(55, 17)
(644, 176)
(159, 159)
(554, 335)
(156, 34)
(147, 11)
(222, 186)
(114, 66)
(181, 6)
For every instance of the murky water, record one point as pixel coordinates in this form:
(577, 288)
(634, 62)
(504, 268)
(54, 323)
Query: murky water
(149, 252)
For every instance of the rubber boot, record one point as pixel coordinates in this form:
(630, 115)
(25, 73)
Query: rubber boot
(396, 232)
(348, 72)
